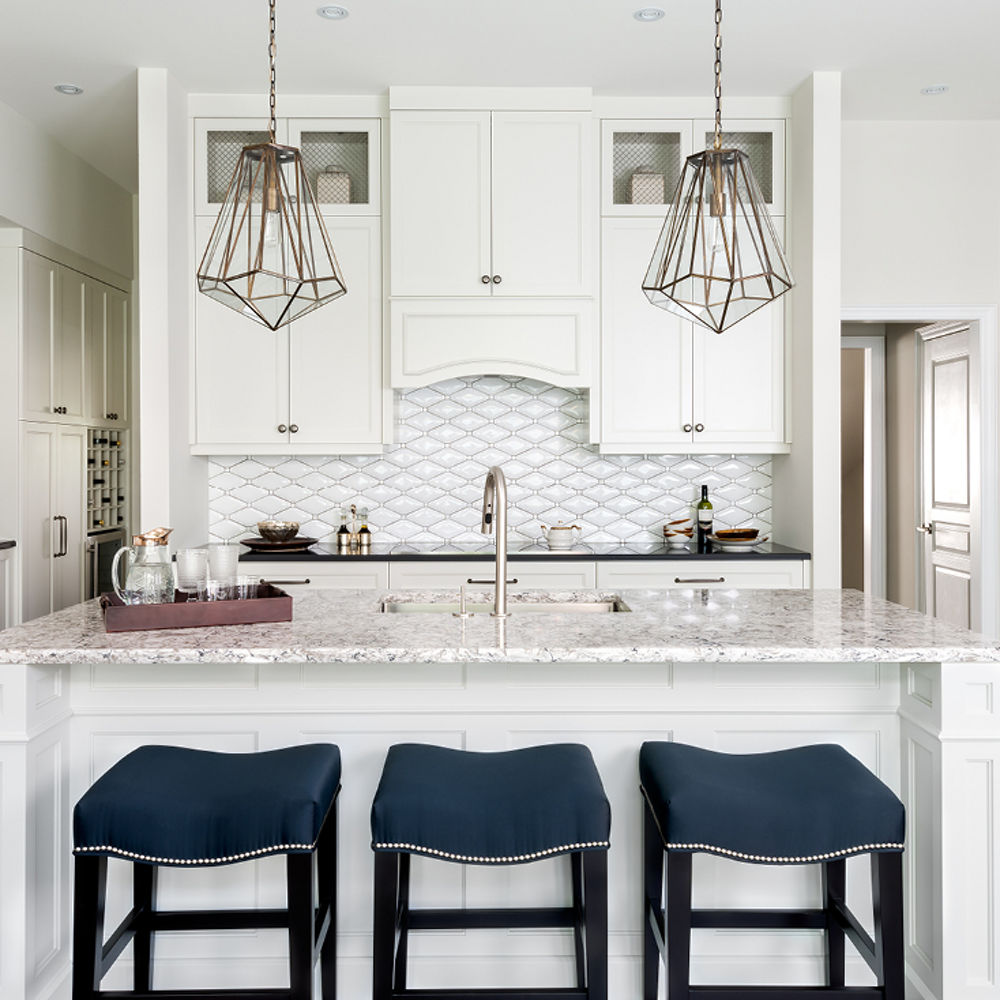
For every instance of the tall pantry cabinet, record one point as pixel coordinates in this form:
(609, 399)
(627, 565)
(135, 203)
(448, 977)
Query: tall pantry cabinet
(69, 333)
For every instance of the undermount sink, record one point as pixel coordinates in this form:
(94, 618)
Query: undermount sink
(522, 603)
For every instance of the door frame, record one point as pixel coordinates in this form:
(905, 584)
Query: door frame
(983, 329)
(874, 469)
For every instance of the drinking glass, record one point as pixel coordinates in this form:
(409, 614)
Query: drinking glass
(216, 590)
(245, 587)
(192, 569)
(223, 559)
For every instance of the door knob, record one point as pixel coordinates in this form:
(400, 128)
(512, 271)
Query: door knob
(282, 428)
(699, 427)
(485, 279)
(294, 428)
(687, 428)
(497, 279)
(927, 529)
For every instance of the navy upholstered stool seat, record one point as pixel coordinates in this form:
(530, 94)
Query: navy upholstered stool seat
(503, 808)
(173, 806)
(807, 805)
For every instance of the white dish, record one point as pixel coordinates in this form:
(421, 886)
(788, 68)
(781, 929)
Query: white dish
(736, 544)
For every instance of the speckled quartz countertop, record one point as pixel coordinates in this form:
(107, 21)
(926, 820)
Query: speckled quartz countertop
(339, 626)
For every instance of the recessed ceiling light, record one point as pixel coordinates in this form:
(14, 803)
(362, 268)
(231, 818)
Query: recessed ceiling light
(936, 88)
(70, 89)
(649, 14)
(333, 12)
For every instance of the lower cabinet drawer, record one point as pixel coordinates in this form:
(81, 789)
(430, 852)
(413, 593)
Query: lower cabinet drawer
(765, 575)
(555, 575)
(293, 577)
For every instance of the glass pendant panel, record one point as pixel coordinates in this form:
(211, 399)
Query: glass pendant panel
(718, 257)
(269, 255)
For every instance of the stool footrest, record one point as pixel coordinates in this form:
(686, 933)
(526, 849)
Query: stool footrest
(275, 993)
(448, 919)
(760, 919)
(784, 992)
(512, 993)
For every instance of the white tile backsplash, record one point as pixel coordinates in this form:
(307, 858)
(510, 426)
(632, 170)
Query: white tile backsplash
(428, 487)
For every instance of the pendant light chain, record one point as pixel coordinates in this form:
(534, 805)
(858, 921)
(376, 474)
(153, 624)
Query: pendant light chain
(271, 51)
(718, 73)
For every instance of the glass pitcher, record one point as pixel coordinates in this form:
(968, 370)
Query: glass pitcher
(149, 578)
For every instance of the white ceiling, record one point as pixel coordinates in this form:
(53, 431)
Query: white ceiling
(886, 49)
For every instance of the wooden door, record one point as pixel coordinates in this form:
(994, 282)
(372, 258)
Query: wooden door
(544, 203)
(439, 186)
(950, 475)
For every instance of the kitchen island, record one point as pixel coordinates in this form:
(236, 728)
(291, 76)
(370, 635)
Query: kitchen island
(915, 699)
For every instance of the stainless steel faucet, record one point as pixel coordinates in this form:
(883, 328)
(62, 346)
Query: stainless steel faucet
(495, 520)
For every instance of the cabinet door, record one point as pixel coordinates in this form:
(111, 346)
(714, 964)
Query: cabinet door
(764, 143)
(68, 380)
(544, 206)
(116, 355)
(335, 360)
(739, 381)
(645, 351)
(39, 533)
(39, 290)
(94, 347)
(218, 143)
(641, 163)
(439, 187)
(237, 359)
(68, 503)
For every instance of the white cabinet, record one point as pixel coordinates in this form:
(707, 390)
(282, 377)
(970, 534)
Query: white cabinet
(668, 386)
(53, 459)
(314, 386)
(763, 140)
(641, 162)
(712, 574)
(294, 577)
(491, 203)
(566, 574)
(106, 354)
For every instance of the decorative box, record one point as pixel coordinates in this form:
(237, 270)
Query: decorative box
(270, 605)
(333, 186)
(648, 188)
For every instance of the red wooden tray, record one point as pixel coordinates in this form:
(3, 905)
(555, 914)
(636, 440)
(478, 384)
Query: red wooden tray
(272, 605)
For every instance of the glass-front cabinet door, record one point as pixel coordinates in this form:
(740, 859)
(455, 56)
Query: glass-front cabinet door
(764, 143)
(641, 162)
(218, 143)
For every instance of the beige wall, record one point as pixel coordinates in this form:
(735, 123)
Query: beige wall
(852, 468)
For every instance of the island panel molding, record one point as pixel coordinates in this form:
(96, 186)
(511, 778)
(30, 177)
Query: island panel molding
(428, 486)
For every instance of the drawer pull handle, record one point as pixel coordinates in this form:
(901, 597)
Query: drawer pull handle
(485, 582)
(693, 579)
(277, 583)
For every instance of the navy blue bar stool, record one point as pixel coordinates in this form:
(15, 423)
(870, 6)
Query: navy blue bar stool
(806, 805)
(504, 808)
(171, 806)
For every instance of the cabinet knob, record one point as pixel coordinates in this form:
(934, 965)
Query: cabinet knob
(294, 428)
(282, 428)
(699, 427)
(687, 428)
(485, 279)
(497, 279)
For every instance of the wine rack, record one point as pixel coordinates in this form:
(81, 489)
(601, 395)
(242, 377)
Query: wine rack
(107, 479)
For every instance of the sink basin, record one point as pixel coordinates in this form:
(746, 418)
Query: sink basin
(521, 604)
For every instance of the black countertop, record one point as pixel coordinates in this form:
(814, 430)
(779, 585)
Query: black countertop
(521, 551)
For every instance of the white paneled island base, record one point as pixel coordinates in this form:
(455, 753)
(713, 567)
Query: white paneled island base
(916, 700)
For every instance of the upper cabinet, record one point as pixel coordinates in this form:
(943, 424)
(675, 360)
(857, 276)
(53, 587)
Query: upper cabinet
(491, 203)
(75, 345)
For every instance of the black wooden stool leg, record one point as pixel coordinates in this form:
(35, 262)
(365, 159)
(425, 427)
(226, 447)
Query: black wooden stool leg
(402, 923)
(144, 903)
(595, 904)
(90, 878)
(384, 924)
(678, 925)
(834, 888)
(301, 925)
(887, 896)
(326, 876)
(652, 904)
(579, 918)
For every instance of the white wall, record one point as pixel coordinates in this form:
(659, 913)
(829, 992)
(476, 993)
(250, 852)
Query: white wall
(174, 485)
(47, 189)
(807, 481)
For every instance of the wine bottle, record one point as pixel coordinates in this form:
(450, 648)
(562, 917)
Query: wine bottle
(704, 515)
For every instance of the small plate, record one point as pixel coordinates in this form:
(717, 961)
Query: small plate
(736, 545)
(297, 544)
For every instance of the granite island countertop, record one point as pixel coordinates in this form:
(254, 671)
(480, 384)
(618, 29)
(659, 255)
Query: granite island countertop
(338, 626)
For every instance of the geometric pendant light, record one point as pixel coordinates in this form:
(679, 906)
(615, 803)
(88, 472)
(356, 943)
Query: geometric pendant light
(269, 255)
(718, 258)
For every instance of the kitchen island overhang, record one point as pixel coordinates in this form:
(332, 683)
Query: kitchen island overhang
(914, 699)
